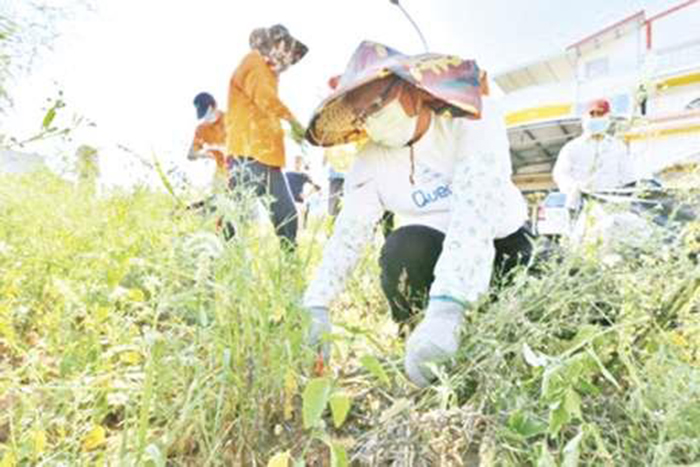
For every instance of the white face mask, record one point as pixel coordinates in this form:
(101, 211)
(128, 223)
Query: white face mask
(281, 57)
(596, 125)
(390, 126)
(210, 116)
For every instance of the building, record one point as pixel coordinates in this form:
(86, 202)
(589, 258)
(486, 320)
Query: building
(649, 68)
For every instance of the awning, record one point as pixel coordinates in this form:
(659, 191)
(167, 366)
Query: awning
(534, 148)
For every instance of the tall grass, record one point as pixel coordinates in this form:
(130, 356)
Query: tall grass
(109, 323)
(129, 334)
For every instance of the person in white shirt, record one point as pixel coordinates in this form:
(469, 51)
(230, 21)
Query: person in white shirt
(600, 167)
(595, 161)
(438, 157)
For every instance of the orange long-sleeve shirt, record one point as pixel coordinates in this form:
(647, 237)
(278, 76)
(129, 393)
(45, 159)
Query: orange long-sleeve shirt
(211, 136)
(254, 113)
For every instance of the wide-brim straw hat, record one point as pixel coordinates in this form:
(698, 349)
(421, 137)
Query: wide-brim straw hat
(264, 40)
(455, 85)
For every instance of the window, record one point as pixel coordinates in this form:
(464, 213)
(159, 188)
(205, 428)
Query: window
(555, 200)
(597, 68)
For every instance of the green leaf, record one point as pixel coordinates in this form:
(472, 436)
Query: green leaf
(558, 417)
(372, 365)
(48, 118)
(604, 370)
(545, 458)
(572, 403)
(570, 372)
(526, 425)
(315, 398)
(339, 457)
(340, 407)
(572, 451)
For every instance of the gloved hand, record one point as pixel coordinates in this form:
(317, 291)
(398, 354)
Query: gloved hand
(320, 325)
(192, 155)
(434, 340)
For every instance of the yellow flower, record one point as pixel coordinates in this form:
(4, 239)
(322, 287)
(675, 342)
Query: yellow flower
(94, 439)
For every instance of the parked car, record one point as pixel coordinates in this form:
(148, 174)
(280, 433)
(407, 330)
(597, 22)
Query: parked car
(553, 217)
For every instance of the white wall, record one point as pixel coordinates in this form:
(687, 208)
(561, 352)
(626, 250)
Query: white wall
(676, 28)
(536, 96)
(611, 71)
(674, 100)
(622, 56)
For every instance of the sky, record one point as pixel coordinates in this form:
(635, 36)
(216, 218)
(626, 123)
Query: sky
(134, 66)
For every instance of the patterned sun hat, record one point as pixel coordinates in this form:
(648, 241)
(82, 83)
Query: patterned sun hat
(264, 40)
(454, 84)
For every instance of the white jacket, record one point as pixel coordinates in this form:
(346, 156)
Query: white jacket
(462, 187)
(586, 164)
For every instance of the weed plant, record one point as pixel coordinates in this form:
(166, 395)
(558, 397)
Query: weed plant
(132, 334)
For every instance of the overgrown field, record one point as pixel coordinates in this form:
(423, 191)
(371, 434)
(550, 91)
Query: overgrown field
(130, 336)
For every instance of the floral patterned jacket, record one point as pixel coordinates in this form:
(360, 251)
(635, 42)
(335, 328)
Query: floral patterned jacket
(459, 183)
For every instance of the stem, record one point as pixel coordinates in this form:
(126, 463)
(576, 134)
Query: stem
(415, 26)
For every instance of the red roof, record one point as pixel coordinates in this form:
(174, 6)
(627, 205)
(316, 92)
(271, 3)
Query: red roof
(640, 15)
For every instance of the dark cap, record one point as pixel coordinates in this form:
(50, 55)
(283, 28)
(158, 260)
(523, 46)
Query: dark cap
(202, 102)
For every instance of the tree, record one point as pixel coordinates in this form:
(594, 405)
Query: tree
(27, 30)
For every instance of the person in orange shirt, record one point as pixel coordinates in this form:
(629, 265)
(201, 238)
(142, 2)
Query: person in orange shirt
(210, 143)
(210, 136)
(255, 139)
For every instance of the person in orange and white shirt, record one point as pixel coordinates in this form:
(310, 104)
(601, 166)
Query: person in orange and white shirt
(210, 137)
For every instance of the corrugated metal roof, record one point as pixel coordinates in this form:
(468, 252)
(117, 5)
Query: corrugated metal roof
(549, 70)
(535, 148)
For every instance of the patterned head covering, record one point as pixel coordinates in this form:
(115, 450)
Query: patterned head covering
(267, 41)
(447, 84)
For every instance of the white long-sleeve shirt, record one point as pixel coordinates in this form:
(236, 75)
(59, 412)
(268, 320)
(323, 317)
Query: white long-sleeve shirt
(588, 164)
(462, 187)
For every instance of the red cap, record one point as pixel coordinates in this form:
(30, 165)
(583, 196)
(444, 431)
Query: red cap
(600, 105)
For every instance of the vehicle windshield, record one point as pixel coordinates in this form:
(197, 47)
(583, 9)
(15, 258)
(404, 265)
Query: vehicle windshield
(555, 200)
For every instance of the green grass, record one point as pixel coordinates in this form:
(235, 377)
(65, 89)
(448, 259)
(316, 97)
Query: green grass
(122, 343)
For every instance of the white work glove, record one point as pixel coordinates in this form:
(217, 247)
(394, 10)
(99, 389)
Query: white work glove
(573, 199)
(320, 325)
(434, 340)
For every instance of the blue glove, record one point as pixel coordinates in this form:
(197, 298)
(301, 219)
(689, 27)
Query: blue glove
(320, 325)
(434, 340)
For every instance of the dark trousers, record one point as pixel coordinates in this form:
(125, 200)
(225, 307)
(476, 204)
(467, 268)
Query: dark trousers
(408, 259)
(206, 207)
(335, 195)
(387, 223)
(265, 180)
